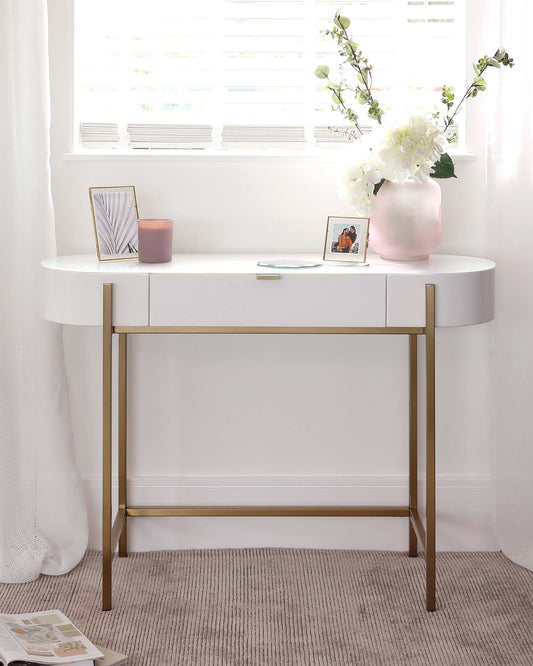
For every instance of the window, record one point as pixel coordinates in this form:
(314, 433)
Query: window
(190, 74)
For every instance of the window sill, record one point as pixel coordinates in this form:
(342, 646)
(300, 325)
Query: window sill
(221, 155)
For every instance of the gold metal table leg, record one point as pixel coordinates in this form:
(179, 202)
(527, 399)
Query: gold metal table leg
(413, 439)
(123, 438)
(111, 533)
(107, 378)
(430, 447)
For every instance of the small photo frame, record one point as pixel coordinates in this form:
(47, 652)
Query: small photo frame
(115, 216)
(346, 239)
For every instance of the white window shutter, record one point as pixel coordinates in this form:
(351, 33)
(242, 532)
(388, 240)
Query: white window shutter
(239, 73)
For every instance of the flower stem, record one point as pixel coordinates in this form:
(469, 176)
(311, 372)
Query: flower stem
(358, 69)
(352, 118)
(449, 120)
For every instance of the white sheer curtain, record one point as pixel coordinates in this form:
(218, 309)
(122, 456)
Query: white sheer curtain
(510, 193)
(43, 524)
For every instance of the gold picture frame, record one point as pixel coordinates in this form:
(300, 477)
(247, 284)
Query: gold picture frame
(115, 213)
(346, 242)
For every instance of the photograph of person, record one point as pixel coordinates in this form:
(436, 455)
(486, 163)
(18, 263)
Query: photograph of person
(346, 236)
(344, 242)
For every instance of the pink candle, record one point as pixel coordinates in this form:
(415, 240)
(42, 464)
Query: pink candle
(155, 240)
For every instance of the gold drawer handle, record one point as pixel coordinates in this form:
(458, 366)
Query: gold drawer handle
(270, 276)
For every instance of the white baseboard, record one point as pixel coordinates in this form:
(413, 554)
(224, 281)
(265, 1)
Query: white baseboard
(464, 520)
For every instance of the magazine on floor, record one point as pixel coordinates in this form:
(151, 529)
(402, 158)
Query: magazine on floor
(110, 658)
(47, 637)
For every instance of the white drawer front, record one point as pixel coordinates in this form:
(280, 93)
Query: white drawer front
(71, 297)
(243, 300)
(461, 299)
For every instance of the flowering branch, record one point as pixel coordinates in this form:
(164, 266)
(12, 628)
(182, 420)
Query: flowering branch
(349, 50)
(411, 151)
(501, 57)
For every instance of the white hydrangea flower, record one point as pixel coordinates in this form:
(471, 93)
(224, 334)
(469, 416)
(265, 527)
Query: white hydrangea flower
(357, 175)
(405, 151)
(409, 151)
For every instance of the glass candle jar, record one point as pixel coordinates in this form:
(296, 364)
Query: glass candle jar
(155, 240)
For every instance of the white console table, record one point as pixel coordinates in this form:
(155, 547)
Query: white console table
(210, 294)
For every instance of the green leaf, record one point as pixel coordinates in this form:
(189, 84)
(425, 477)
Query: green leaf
(363, 77)
(342, 22)
(492, 63)
(377, 186)
(480, 83)
(476, 69)
(499, 54)
(350, 49)
(336, 99)
(322, 72)
(443, 167)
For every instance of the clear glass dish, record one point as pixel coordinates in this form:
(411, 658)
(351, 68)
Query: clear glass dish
(288, 263)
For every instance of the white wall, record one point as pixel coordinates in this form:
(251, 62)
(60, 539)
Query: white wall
(254, 419)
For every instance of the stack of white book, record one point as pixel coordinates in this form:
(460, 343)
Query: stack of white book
(99, 135)
(169, 136)
(49, 637)
(262, 134)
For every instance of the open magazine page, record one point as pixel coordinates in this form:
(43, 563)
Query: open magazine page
(9, 648)
(47, 637)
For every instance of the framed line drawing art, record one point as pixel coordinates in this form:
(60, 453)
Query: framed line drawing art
(346, 239)
(115, 216)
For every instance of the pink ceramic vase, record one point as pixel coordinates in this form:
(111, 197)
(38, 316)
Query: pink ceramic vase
(405, 224)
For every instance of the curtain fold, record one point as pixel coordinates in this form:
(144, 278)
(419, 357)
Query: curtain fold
(43, 522)
(510, 224)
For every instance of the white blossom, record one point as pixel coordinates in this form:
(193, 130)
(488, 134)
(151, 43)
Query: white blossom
(405, 151)
(357, 175)
(409, 151)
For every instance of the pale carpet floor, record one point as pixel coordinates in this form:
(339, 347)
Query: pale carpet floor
(296, 607)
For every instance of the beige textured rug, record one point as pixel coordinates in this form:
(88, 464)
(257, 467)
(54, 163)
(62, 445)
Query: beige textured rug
(296, 607)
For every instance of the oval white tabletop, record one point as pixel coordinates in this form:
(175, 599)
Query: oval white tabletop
(223, 289)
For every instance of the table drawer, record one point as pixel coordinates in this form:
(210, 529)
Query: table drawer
(461, 299)
(245, 300)
(75, 297)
